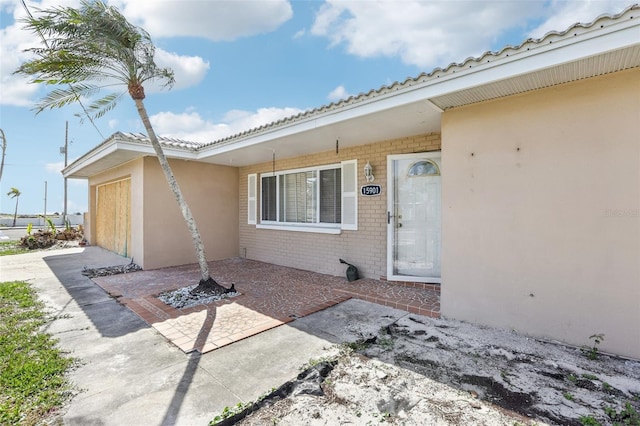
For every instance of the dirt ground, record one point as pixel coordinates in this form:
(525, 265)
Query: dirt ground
(421, 371)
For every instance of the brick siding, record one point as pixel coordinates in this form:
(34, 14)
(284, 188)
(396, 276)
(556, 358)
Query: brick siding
(366, 248)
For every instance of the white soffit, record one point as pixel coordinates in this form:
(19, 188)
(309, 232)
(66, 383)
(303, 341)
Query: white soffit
(607, 44)
(120, 148)
(610, 62)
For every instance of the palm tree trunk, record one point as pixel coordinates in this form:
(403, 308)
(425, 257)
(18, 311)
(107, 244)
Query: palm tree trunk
(206, 282)
(15, 214)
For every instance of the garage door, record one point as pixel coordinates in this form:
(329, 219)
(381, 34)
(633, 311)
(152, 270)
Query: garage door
(113, 216)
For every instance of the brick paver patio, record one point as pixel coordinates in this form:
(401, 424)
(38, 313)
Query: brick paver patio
(270, 295)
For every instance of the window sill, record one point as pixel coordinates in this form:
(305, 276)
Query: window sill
(315, 229)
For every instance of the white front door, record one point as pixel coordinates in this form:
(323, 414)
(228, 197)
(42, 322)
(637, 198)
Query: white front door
(414, 217)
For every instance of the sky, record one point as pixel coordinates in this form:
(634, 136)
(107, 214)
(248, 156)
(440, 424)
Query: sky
(240, 64)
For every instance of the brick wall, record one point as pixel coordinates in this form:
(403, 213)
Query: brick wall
(366, 248)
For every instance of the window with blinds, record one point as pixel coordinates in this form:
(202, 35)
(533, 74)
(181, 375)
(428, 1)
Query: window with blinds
(306, 196)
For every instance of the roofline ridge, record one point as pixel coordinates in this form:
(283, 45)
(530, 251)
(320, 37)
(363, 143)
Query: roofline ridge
(420, 78)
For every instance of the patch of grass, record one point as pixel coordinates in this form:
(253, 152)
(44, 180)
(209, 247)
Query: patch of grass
(626, 416)
(315, 361)
(8, 248)
(589, 421)
(593, 353)
(32, 368)
(568, 396)
(357, 346)
(386, 343)
(228, 412)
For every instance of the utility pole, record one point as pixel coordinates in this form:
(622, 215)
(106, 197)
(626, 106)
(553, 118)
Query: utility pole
(3, 145)
(65, 150)
(45, 203)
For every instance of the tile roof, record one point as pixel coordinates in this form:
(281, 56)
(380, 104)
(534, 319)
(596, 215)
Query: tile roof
(165, 141)
(487, 91)
(489, 56)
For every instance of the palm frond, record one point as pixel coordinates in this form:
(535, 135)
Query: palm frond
(61, 97)
(89, 48)
(100, 107)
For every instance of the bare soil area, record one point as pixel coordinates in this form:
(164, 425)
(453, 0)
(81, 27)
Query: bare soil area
(420, 371)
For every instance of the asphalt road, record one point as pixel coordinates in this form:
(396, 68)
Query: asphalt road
(12, 234)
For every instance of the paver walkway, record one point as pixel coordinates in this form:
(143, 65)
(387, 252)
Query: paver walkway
(271, 295)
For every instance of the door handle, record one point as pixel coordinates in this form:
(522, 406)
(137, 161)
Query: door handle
(389, 216)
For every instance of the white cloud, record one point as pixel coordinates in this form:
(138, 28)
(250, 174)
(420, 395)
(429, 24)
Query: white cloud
(113, 123)
(566, 13)
(16, 90)
(434, 34)
(57, 166)
(338, 93)
(188, 70)
(54, 167)
(213, 20)
(190, 126)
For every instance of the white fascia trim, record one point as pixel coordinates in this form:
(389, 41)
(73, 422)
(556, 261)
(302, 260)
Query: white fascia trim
(521, 63)
(552, 55)
(90, 158)
(541, 56)
(146, 149)
(109, 148)
(266, 136)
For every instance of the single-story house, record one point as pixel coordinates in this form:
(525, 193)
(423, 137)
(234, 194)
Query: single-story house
(511, 179)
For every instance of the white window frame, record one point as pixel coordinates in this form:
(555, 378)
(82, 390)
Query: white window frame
(252, 188)
(349, 195)
(318, 227)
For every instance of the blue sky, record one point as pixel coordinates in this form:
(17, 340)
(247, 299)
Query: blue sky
(240, 64)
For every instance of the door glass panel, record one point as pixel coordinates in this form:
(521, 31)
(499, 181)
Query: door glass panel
(416, 218)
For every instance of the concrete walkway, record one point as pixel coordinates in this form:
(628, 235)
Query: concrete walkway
(130, 374)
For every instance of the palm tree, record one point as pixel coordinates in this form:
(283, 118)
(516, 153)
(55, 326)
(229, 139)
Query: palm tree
(15, 193)
(94, 47)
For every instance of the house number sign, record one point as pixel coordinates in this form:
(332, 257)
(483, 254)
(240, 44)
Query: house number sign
(371, 190)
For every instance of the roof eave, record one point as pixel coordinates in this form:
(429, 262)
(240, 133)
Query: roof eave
(103, 157)
(429, 89)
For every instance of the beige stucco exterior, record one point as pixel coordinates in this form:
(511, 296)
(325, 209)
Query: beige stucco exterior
(541, 212)
(159, 236)
(366, 248)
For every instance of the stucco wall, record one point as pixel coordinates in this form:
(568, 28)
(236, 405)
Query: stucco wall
(365, 248)
(159, 235)
(541, 212)
(211, 191)
(134, 171)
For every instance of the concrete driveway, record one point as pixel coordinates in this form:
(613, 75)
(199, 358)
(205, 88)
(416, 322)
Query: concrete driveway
(130, 374)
